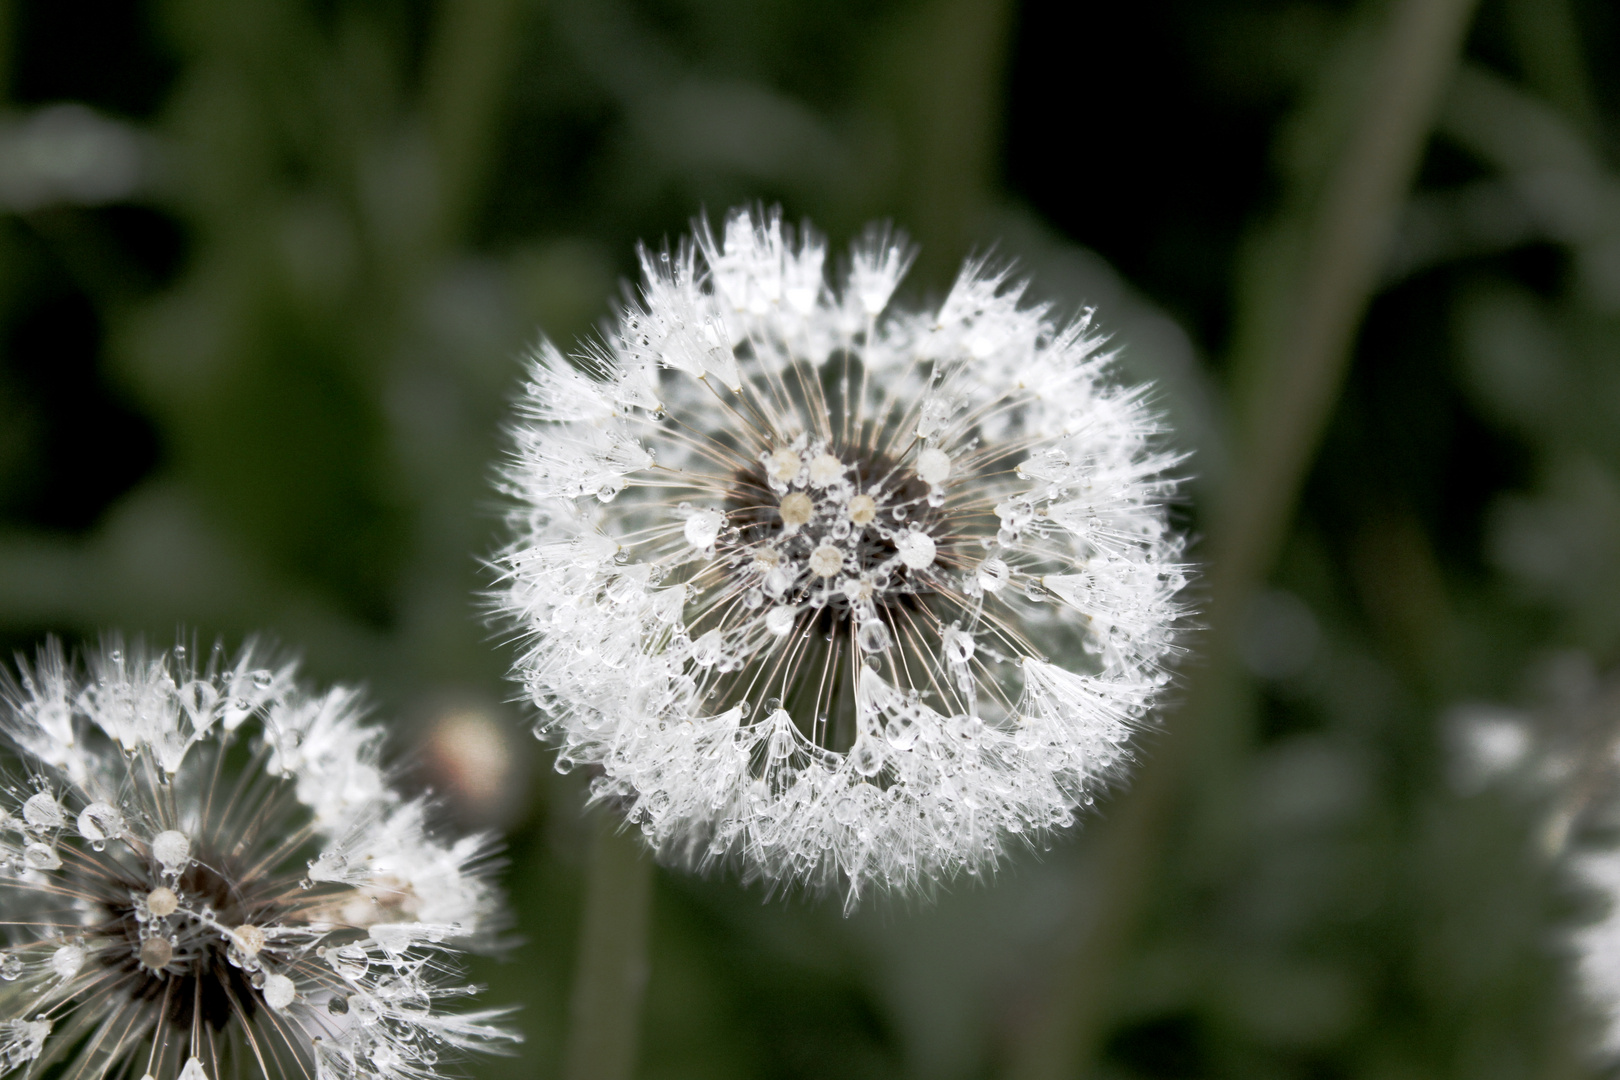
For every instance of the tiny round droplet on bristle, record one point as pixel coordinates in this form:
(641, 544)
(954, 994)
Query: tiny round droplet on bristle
(279, 991)
(162, 902)
(916, 550)
(825, 469)
(993, 575)
(172, 849)
(702, 528)
(42, 811)
(933, 465)
(67, 960)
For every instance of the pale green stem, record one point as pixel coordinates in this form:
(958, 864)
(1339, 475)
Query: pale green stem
(940, 75)
(960, 56)
(465, 76)
(1348, 239)
(8, 45)
(610, 973)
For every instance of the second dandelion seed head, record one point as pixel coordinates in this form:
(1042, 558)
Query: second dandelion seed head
(204, 872)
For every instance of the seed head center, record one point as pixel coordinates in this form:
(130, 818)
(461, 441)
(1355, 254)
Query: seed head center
(847, 535)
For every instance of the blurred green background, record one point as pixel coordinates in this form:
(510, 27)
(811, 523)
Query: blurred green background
(267, 268)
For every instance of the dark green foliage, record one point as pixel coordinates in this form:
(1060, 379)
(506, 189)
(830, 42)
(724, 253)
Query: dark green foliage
(260, 389)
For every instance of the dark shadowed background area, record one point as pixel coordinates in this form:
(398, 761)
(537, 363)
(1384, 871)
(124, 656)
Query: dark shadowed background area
(268, 269)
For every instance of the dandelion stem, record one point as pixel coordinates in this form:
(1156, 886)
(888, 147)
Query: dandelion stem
(611, 972)
(1346, 240)
(467, 64)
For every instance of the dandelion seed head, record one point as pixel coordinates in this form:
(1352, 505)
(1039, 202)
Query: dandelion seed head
(873, 593)
(161, 826)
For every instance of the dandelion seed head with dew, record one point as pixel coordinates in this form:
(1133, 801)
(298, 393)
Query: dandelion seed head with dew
(845, 595)
(205, 874)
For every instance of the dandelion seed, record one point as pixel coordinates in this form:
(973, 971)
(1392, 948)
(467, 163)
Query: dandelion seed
(177, 929)
(880, 591)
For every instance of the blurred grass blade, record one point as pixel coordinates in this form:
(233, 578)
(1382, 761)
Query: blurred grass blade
(947, 65)
(610, 972)
(1548, 41)
(1293, 381)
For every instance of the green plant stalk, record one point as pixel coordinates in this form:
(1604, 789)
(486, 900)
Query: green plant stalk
(8, 27)
(1348, 236)
(464, 84)
(610, 973)
(952, 69)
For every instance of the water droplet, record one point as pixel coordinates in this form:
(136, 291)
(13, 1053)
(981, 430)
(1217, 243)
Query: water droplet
(902, 732)
(959, 646)
(993, 575)
(100, 820)
(845, 811)
(916, 550)
(279, 991)
(172, 849)
(873, 636)
(703, 528)
(67, 960)
(42, 812)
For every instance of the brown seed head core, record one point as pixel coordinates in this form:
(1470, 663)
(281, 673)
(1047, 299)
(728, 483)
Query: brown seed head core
(156, 953)
(249, 938)
(796, 509)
